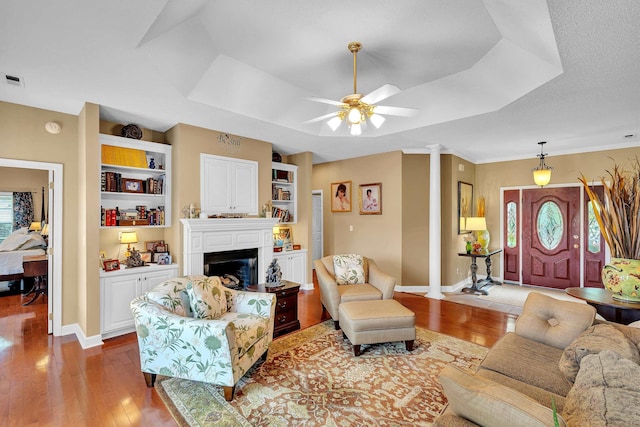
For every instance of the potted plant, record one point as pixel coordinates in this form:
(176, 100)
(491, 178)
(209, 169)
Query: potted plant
(619, 219)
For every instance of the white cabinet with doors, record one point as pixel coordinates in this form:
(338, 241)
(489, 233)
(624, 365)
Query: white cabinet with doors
(293, 265)
(118, 288)
(228, 185)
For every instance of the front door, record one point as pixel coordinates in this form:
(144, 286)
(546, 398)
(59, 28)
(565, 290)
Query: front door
(551, 237)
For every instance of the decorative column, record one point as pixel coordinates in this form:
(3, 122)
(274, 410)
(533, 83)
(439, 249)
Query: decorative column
(435, 224)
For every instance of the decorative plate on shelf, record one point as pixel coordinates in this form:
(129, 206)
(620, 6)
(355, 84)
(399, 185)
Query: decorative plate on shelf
(131, 131)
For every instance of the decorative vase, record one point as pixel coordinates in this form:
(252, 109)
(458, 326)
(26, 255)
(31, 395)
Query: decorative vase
(622, 278)
(484, 238)
(468, 247)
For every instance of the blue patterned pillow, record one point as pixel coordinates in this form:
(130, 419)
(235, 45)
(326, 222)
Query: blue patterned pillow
(349, 269)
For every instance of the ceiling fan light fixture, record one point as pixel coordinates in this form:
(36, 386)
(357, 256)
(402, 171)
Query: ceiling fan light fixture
(377, 120)
(334, 123)
(354, 116)
(356, 130)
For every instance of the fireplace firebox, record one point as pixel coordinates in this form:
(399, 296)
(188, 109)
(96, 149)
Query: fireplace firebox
(237, 268)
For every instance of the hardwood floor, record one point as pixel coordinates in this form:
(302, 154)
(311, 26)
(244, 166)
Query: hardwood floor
(52, 381)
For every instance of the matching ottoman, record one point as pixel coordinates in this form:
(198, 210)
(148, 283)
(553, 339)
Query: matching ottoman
(377, 321)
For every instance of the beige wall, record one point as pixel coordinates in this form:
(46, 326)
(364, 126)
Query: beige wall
(17, 179)
(375, 236)
(24, 138)
(415, 220)
(302, 228)
(188, 142)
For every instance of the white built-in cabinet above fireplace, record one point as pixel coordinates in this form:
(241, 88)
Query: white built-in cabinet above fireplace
(228, 185)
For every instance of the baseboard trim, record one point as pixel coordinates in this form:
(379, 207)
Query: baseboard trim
(306, 287)
(85, 342)
(425, 289)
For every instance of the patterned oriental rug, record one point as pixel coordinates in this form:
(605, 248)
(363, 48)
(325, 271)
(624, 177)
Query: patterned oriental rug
(312, 378)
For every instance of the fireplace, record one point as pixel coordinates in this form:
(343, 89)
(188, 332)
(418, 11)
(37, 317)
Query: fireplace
(207, 236)
(237, 269)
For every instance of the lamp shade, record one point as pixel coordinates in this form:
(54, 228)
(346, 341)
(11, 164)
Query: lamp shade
(129, 237)
(476, 223)
(35, 226)
(542, 176)
(45, 230)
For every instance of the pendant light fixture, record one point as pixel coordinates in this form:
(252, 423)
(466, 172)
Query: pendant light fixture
(542, 172)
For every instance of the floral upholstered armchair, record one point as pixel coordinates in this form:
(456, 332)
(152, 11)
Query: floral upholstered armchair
(195, 328)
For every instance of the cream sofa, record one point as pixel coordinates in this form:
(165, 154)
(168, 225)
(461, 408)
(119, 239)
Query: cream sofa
(557, 355)
(377, 285)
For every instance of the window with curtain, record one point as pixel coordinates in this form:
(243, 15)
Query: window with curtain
(6, 215)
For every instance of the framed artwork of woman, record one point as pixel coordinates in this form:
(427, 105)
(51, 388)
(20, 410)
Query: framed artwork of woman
(371, 199)
(341, 196)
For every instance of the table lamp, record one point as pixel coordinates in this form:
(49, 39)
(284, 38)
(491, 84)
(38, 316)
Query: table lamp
(479, 225)
(35, 226)
(128, 237)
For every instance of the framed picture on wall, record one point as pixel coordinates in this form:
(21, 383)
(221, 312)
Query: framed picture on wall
(465, 205)
(341, 196)
(370, 196)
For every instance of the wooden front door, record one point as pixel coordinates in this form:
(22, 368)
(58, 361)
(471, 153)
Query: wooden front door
(551, 237)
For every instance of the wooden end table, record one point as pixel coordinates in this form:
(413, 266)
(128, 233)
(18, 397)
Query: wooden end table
(476, 284)
(36, 266)
(286, 306)
(607, 307)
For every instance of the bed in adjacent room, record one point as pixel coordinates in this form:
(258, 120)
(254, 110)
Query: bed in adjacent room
(17, 245)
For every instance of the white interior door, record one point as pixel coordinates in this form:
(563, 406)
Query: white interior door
(317, 224)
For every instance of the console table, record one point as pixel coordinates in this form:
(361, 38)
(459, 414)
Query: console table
(476, 284)
(286, 306)
(607, 307)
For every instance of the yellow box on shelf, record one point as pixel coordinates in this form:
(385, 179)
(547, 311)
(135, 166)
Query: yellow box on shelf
(124, 156)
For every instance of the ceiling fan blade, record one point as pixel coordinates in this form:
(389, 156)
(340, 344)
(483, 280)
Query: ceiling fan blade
(326, 101)
(321, 118)
(383, 92)
(395, 111)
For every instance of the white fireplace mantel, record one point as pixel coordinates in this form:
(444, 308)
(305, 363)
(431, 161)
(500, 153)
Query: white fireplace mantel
(203, 236)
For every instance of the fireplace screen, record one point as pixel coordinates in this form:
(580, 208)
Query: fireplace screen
(237, 269)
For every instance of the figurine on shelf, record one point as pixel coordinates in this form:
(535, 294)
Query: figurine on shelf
(135, 259)
(152, 164)
(274, 275)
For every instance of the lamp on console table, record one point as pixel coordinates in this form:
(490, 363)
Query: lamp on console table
(479, 225)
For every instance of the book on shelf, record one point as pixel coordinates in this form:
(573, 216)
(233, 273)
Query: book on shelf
(283, 214)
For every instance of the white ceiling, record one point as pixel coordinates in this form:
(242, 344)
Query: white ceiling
(490, 78)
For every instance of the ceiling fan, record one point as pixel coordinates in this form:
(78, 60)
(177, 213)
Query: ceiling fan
(357, 109)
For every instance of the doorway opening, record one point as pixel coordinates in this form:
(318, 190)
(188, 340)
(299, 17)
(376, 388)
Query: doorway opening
(317, 226)
(54, 247)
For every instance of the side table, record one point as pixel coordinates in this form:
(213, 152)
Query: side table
(36, 266)
(286, 306)
(607, 307)
(476, 285)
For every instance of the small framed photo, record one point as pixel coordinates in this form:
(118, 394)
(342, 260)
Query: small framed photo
(146, 257)
(111, 264)
(284, 235)
(163, 247)
(132, 185)
(288, 246)
(164, 259)
(341, 196)
(150, 246)
(103, 256)
(158, 255)
(370, 196)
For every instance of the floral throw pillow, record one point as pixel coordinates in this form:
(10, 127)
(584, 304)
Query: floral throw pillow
(349, 269)
(207, 298)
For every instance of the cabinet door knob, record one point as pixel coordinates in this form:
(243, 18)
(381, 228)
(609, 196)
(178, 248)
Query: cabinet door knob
(282, 304)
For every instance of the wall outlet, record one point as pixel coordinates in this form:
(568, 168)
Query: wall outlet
(351, 228)
(458, 270)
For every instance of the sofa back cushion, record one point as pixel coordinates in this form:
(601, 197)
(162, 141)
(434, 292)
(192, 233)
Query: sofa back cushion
(552, 321)
(595, 339)
(172, 295)
(207, 297)
(605, 393)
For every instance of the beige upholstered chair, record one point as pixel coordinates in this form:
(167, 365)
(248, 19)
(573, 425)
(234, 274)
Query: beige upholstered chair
(377, 285)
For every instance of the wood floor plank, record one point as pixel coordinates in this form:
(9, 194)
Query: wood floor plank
(52, 381)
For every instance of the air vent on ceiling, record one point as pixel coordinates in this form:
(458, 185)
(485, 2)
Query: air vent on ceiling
(14, 80)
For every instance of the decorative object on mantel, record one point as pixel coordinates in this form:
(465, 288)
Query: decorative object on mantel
(618, 217)
(542, 172)
(131, 131)
(274, 275)
(276, 157)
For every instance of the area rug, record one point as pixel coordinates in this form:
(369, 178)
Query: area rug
(516, 295)
(312, 378)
